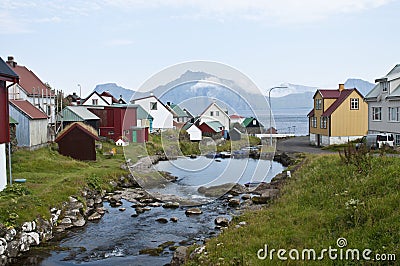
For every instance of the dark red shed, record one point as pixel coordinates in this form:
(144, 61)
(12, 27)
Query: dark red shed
(6, 74)
(77, 140)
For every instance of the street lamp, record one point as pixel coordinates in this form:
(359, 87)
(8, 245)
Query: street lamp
(270, 111)
(80, 91)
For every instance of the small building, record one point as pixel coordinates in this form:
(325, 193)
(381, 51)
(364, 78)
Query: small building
(122, 142)
(252, 125)
(79, 113)
(338, 116)
(95, 99)
(144, 119)
(215, 113)
(73, 99)
(212, 129)
(235, 134)
(32, 130)
(6, 75)
(384, 105)
(77, 141)
(235, 118)
(180, 115)
(194, 132)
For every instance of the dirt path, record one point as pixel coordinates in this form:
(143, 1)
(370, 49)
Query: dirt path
(299, 144)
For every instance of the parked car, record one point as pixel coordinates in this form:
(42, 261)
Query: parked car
(376, 141)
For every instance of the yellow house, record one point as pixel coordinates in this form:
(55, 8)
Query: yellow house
(337, 117)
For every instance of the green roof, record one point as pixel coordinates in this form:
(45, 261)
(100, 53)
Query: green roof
(178, 110)
(13, 121)
(214, 125)
(142, 114)
(187, 126)
(247, 121)
(78, 113)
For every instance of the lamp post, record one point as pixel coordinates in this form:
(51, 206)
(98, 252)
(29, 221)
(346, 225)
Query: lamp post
(80, 92)
(270, 111)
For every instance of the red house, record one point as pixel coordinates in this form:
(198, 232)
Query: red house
(77, 140)
(119, 120)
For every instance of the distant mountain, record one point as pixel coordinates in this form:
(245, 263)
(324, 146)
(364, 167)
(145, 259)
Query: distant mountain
(115, 90)
(361, 85)
(293, 101)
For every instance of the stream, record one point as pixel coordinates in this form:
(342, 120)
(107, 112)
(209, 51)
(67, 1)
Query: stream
(117, 238)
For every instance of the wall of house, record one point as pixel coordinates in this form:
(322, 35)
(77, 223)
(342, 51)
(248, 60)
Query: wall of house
(99, 99)
(78, 145)
(313, 139)
(3, 167)
(317, 114)
(23, 128)
(194, 133)
(38, 132)
(162, 118)
(384, 125)
(327, 103)
(347, 122)
(223, 118)
(394, 84)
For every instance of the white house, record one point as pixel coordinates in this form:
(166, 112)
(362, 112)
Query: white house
(162, 117)
(194, 132)
(96, 99)
(121, 142)
(215, 113)
(235, 118)
(32, 89)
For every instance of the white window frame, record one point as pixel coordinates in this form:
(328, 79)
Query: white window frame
(318, 104)
(254, 122)
(354, 104)
(211, 113)
(394, 114)
(313, 122)
(324, 122)
(95, 101)
(385, 86)
(153, 105)
(397, 139)
(216, 113)
(376, 113)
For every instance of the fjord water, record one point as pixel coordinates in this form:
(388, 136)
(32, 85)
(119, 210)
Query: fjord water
(117, 238)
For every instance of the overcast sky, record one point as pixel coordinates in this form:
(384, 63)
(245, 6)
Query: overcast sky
(309, 42)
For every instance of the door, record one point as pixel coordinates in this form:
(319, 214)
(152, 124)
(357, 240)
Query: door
(134, 136)
(318, 140)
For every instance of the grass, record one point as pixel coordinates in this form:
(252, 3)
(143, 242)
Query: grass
(325, 200)
(52, 178)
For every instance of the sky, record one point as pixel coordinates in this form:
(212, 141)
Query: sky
(317, 43)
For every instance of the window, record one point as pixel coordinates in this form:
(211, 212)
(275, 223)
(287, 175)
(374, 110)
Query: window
(254, 122)
(318, 104)
(153, 105)
(354, 104)
(48, 110)
(211, 113)
(95, 101)
(216, 113)
(394, 114)
(385, 86)
(376, 113)
(110, 132)
(313, 122)
(397, 140)
(324, 122)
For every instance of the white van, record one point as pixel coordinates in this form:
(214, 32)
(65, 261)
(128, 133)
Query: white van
(376, 141)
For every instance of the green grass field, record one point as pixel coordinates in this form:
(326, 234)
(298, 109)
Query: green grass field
(325, 200)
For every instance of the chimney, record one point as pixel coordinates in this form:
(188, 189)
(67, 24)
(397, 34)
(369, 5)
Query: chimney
(11, 62)
(341, 87)
(169, 103)
(74, 93)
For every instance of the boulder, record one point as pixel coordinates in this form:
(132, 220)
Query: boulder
(234, 202)
(174, 219)
(216, 191)
(90, 203)
(221, 221)
(246, 196)
(10, 234)
(171, 205)
(180, 256)
(193, 211)
(3, 246)
(94, 216)
(28, 226)
(237, 189)
(79, 221)
(162, 220)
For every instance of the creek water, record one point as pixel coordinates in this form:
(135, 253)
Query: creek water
(117, 238)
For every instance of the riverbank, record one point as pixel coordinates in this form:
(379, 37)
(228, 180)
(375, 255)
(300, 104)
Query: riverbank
(325, 200)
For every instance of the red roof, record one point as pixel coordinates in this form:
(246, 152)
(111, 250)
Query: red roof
(311, 113)
(235, 116)
(342, 96)
(107, 94)
(28, 109)
(329, 94)
(84, 128)
(30, 82)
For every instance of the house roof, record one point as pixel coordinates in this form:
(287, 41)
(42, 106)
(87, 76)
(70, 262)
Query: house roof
(83, 127)
(328, 94)
(90, 95)
(235, 116)
(141, 113)
(311, 113)
(179, 112)
(189, 114)
(214, 125)
(187, 125)
(374, 92)
(107, 94)
(78, 113)
(247, 121)
(29, 82)
(342, 96)
(13, 121)
(377, 90)
(74, 96)
(158, 100)
(27, 108)
(6, 73)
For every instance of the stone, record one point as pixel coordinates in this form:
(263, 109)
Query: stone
(139, 210)
(135, 215)
(28, 226)
(221, 221)
(44, 228)
(171, 205)
(193, 211)
(237, 189)
(122, 209)
(13, 248)
(151, 251)
(260, 200)
(90, 203)
(11, 233)
(80, 221)
(155, 204)
(94, 216)
(3, 246)
(243, 223)
(162, 220)
(66, 221)
(98, 200)
(234, 202)
(3, 230)
(174, 219)
(246, 196)
(101, 210)
(72, 199)
(180, 256)
(32, 238)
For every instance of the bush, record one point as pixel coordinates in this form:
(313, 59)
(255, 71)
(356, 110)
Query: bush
(360, 158)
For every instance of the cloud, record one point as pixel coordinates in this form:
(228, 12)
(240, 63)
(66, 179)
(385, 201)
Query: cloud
(283, 11)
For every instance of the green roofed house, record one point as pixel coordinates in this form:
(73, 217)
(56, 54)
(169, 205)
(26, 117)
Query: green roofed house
(193, 131)
(252, 125)
(212, 128)
(144, 119)
(180, 115)
(79, 113)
